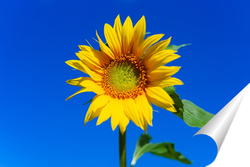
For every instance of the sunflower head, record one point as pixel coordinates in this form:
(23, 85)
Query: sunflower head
(127, 75)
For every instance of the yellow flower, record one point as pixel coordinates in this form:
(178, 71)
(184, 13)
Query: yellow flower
(127, 75)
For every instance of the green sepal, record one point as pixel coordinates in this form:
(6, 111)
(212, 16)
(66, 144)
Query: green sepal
(176, 47)
(164, 149)
(88, 102)
(178, 105)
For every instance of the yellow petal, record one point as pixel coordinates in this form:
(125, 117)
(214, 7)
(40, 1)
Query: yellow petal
(107, 111)
(103, 59)
(112, 39)
(127, 35)
(118, 27)
(169, 59)
(93, 63)
(123, 123)
(105, 114)
(79, 91)
(139, 33)
(94, 114)
(160, 46)
(143, 121)
(96, 106)
(86, 82)
(145, 108)
(160, 98)
(77, 64)
(159, 94)
(99, 101)
(147, 43)
(162, 72)
(105, 49)
(159, 59)
(170, 81)
(131, 111)
(117, 113)
(94, 73)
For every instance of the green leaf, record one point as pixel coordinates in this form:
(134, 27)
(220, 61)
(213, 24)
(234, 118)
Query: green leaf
(167, 150)
(176, 98)
(194, 116)
(161, 149)
(176, 47)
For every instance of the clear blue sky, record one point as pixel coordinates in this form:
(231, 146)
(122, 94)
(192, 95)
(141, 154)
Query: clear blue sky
(39, 129)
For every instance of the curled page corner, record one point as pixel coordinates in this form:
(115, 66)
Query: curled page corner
(230, 126)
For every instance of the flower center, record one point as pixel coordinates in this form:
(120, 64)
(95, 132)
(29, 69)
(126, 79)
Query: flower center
(124, 77)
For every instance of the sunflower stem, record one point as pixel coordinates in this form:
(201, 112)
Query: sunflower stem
(122, 149)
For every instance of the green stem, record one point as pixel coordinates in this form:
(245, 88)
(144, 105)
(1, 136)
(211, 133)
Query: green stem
(122, 149)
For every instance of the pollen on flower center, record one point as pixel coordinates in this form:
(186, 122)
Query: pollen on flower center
(124, 77)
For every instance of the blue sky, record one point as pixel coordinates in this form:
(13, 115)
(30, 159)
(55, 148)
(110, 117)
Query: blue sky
(38, 128)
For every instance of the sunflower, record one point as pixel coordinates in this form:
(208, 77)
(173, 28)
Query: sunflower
(127, 74)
